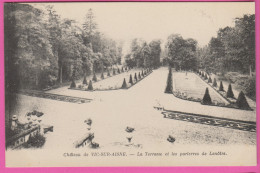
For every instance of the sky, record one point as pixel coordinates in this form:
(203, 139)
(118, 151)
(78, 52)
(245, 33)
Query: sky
(157, 20)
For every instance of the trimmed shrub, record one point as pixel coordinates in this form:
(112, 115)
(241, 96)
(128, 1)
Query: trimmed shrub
(131, 80)
(125, 68)
(199, 72)
(215, 83)
(102, 75)
(94, 77)
(139, 75)
(242, 102)
(221, 88)
(202, 74)
(114, 71)
(206, 76)
(85, 80)
(124, 85)
(136, 77)
(230, 93)
(210, 80)
(206, 99)
(168, 88)
(90, 87)
(122, 70)
(118, 70)
(73, 84)
(142, 73)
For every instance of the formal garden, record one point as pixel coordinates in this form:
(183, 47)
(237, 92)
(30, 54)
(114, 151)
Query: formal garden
(200, 87)
(116, 79)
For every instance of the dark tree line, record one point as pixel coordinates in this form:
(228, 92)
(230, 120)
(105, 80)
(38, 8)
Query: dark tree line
(181, 53)
(143, 54)
(42, 49)
(232, 50)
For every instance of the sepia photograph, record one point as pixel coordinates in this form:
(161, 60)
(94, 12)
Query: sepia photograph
(114, 84)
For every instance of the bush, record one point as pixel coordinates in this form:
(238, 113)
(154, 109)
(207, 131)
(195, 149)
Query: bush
(136, 77)
(124, 85)
(206, 76)
(118, 70)
(168, 88)
(215, 83)
(139, 75)
(73, 84)
(242, 102)
(210, 80)
(131, 80)
(122, 70)
(142, 73)
(199, 72)
(206, 99)
(250, 88)
(94, 77)
(202, 74)
(125, 68)
(230, 93)
(221, 88)
(90, 87)
(85, 80)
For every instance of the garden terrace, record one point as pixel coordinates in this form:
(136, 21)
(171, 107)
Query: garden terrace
(115, 82)
(190, 87)
(231, 101)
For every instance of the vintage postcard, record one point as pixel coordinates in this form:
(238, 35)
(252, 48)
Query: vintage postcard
(109, 84)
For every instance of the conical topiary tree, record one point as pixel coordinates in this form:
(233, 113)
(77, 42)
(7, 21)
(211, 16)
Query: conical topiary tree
(118, 70)
(102, 75)
(124, 85)
(142, 73)
(131, 80)
(206, 76)
(114, 71)
(221, 88)
(94, 77)
(242, 102)
(139, 75)
(215, 83)
(73, 84)
(136, 77)
(199, 72)
(206, 99)
(230, 93)
(122, 70)
(90, 87)
(108, 73)
(210, 80)
(125, 68)
(202, 74)
(168, 88)
(85, 80)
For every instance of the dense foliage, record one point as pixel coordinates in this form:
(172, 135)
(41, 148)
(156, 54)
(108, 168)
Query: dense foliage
(46, 49)
(232, 50)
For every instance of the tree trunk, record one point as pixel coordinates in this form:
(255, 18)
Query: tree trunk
(36, 79)
(60, 74)
(250, 70)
